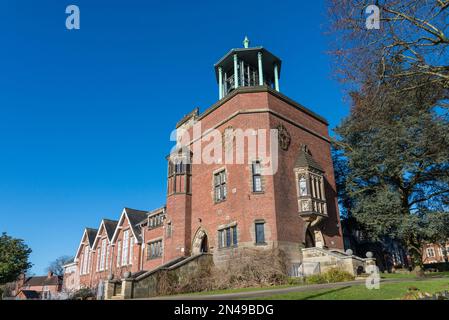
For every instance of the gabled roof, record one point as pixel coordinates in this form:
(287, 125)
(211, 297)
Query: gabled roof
(43, 281)
(109, 226)
(90, 234)
(133, 216)
(305, 159)
(151, 213)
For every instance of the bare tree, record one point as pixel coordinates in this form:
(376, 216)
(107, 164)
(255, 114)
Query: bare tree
(56, 267)
(413, 34)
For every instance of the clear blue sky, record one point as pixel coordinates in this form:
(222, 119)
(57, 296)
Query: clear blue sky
(86, 115)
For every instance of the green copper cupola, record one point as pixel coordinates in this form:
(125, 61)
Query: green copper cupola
(247, 67)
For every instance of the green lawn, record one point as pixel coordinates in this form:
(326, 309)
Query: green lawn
(224, 291)
(387, 291)
(412, 275)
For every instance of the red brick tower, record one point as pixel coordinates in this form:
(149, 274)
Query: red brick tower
(179, 206)
(222, 207)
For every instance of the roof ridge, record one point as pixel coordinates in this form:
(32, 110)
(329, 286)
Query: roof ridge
(127, 208)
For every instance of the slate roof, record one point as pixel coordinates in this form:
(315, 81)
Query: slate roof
(155, 211)
(305, 159)
(110, 226)
(30, 294)
(136, 216)
(43, 281)
(91, 234)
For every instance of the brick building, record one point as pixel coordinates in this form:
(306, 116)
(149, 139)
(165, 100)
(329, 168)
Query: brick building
(38, 287)
(223, 206)
(435, 253)
(71, 277)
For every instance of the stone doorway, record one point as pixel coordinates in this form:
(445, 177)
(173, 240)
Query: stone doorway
(204, 245)
(310, 240)
(200, 242)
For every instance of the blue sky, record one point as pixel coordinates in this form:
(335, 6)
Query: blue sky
(86, 115)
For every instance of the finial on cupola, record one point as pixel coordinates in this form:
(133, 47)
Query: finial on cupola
(246, 42)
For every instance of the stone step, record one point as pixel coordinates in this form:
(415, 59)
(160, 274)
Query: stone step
(117, 297)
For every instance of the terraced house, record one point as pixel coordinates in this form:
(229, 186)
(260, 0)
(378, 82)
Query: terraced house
(219, 208)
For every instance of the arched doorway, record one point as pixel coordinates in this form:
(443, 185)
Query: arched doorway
(200, 242)
(310, 241)
(204, 244)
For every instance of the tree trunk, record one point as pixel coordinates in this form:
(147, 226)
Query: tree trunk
(415, 251)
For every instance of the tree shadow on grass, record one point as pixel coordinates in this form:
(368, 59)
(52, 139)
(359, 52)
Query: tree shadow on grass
(326, 292)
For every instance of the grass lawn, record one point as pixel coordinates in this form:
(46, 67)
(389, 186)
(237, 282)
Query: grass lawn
(412, 275)
(387, 291)
(224, 291)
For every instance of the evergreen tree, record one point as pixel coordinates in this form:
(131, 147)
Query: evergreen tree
(396, 145)
(14, 254)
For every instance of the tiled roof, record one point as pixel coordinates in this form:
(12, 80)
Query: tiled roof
(305, 159)
(110, 226)
(43, 281)
(30, 294)
(152, 212)
(91, 234)
(136, 216)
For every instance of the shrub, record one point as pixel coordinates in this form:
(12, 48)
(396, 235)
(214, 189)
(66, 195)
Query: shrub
(295, 281)
(330, 276)
(251, 267)
(83, 294)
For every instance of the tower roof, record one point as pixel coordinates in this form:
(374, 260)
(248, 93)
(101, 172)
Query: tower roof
(250, 56)
(305, 159)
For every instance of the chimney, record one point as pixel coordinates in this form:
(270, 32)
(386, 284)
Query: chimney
(49, 274)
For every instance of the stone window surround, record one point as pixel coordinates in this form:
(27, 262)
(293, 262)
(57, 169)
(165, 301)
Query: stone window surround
(155, 240)
(159, 224)
(215, 172)
(168, 229)
(260, 221)
(102, 255)
(223, 227)
(262, 180)
(317, 195)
